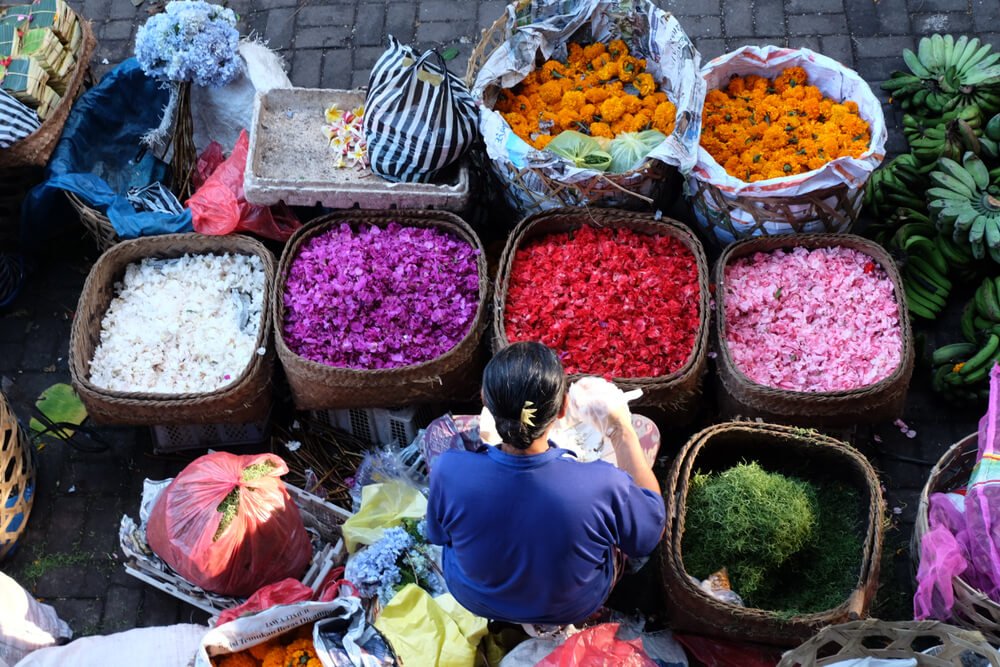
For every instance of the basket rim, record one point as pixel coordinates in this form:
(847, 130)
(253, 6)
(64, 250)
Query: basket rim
(876, 627)
(215, 245)
(680, 475)
(745, 247)
(527, 228)
(444, 220)
(921, 524)
(802, 53)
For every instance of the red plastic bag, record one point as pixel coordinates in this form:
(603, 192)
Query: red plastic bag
(286, 591)
(219, 205)
(597, 647)
(263, 542)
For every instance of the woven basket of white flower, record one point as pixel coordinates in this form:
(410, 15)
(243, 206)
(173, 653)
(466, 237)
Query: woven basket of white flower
(176, 329)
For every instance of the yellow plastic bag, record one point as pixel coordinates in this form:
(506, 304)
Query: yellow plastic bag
(429, 632)
(382, 506)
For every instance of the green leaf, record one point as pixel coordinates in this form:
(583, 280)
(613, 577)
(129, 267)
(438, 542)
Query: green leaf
(449, 53)
(60, 404)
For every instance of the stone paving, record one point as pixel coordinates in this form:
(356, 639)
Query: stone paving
(69, 555)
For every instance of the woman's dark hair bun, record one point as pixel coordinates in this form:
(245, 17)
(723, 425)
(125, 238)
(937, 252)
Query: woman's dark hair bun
(519, 375)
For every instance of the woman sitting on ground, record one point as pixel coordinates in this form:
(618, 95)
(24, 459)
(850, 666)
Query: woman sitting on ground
(531, 535)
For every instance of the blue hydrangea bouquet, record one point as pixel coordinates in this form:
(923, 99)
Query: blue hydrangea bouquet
(190, 42)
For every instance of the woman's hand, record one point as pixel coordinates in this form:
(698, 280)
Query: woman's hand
(628, 451)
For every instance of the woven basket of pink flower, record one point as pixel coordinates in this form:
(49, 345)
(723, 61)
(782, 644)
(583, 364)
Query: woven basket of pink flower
(812, 329)
(381, 309)
(175, 329)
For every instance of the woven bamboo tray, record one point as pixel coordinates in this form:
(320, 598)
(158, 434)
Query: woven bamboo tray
(973, 609)
(873, 638)
(530, 190)
(17, 479)
(879, 401)
(323, 521)
(792, 451)
(453, 375)
(35, 150)
(246, 399)
(677, 393)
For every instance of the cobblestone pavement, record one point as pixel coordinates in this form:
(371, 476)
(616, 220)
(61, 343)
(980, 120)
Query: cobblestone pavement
(69, 555)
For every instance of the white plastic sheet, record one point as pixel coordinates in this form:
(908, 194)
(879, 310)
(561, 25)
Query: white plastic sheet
(834, 81)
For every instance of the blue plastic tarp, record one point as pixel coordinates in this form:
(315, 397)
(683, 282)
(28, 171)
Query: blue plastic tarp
(99, 157)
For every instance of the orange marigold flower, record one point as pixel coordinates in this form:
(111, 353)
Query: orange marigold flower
(596, 95)
(612, 109)
(551, 92)
(617, 48)
(607, 72)
(567, 119)
(601, 130)
(573, 99)
(628, 69)
(576, 58)
(645, 84)
(587, 111)
(542, 141)
(664, 117)
(594, 50)
(553, 69)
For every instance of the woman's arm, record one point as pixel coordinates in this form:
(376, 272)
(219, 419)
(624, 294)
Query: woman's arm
(628, 451)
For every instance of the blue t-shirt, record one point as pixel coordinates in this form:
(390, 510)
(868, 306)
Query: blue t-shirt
(529, 539)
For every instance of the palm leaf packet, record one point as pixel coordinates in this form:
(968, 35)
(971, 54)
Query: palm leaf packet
(25, 79)
(64, 72)
(77, 38)
(54, 14)
(43, 45)
(10, 36)
(50, 100)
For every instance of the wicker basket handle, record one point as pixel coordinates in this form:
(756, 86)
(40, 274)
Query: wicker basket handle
(856, 604)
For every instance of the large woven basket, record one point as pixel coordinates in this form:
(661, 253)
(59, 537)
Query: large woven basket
(873, 638)
(678, 392)
(453, 375)
(96, 224)
(973, 608)
(17, 479)
(36, 149)
(881, 400)
(792, 451)
(246, 399)
(530, 190)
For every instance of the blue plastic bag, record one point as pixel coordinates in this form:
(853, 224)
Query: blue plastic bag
(99, 157)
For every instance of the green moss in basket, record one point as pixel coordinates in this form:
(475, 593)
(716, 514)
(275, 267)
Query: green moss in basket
(231, 503)
(748, 520)
(790, 546)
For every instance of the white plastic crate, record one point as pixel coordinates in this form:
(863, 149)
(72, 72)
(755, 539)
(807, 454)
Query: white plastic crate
(379, 426)
(174, 437)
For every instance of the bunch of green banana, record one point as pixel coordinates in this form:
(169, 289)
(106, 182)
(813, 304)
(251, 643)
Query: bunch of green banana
(884, 229)
(950, 140)
(965, 204)
(918, 127)
(898, 183)
(963, 267)
(947, 74)
(990, 141)
(924, 270)
(961, 370)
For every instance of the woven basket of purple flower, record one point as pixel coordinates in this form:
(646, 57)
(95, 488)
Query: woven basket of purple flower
(380, 309)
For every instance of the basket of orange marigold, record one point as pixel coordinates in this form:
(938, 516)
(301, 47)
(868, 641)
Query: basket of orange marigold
(789, 138)
(595, 104)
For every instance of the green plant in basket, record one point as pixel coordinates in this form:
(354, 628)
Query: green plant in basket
(748, 520)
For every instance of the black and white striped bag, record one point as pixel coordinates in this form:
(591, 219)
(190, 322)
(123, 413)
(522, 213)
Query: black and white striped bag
(155, 198)
(419, 118)
(16, 120)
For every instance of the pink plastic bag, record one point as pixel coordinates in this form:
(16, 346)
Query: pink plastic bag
(264, 542)
(219, 206)
(597, 647)
(941, 559)
(982, 500)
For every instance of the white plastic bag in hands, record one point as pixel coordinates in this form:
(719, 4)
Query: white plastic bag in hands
(593, 399)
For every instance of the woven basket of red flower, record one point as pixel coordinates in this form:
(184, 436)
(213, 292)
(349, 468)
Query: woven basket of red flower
(805, 455)
(381, 309)
(812, 329)
(616, 294)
